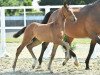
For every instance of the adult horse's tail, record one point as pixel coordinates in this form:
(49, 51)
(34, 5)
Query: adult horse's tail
(45, 20)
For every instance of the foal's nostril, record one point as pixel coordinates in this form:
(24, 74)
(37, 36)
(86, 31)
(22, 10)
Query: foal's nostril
(75, 19)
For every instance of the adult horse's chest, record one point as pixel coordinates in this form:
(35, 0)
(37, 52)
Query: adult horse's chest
(75, 30)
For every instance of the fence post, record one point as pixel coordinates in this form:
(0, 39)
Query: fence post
(24, 17)
(3, 36)
(47, 9)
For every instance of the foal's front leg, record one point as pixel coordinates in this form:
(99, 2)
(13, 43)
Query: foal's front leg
(69, 40)
(67, 49)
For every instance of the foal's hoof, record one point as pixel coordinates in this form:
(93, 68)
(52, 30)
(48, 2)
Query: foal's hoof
(38, 67)
(76, 64)
(33, 66)
(51, 71)
(63, 63)
(13, 67)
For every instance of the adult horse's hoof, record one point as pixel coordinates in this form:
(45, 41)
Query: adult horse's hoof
(50, 70)
(76, 64)
(63, 63)
(87, 68)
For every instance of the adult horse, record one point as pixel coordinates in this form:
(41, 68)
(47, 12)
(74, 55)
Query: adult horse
(87, 26)
(49, 33)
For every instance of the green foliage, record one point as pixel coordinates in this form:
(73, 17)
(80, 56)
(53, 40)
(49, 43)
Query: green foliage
(27, 2)
(42, 2)
(51, 2)
(15, 3)
(9, 2)
(60, 2)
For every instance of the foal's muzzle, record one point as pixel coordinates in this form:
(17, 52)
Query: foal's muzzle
(73, 18)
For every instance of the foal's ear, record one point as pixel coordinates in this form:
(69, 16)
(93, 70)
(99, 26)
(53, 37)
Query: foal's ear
(65, 4)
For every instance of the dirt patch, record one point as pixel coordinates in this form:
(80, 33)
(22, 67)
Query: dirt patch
(25, 62)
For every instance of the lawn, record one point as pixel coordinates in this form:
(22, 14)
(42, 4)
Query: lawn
(76, 41)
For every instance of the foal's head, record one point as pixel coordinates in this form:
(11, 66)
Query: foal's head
(67, 13)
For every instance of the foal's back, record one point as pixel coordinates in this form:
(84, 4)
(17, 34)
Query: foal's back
(42, 31)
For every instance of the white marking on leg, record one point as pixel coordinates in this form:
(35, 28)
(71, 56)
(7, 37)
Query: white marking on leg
(34, 64)
(76, 61)
(68, 48)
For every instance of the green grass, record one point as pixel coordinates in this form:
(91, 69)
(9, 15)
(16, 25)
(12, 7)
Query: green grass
(14, 40)
(80, 41)
(76, 41)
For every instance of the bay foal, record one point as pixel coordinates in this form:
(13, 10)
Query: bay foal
(47, 33)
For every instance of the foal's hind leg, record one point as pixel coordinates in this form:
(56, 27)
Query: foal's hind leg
(52, 56)
(29, 47)
(19, 49)
(25, 41)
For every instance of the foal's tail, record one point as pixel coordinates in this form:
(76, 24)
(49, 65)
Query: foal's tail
(16, 35)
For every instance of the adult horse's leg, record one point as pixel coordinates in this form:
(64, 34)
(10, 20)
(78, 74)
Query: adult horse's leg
(95, 39)
(35, 42)
(52, 56)
(44, 46)
(92, 45)
(69, 40)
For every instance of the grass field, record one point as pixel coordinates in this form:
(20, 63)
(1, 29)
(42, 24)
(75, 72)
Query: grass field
(76, 41)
